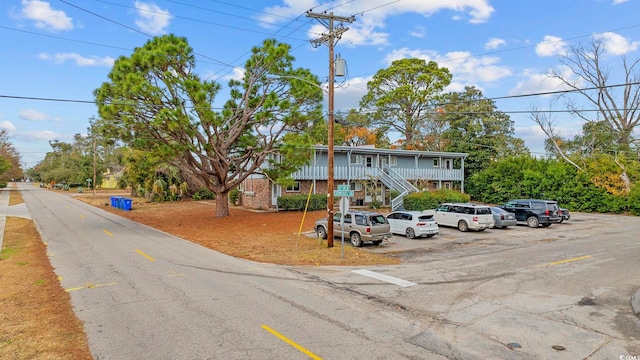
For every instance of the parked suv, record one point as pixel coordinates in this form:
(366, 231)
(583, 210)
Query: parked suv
(359, 226)
(534, 212)
(464, 216)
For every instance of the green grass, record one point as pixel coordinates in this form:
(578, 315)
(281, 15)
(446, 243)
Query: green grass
(7, 253)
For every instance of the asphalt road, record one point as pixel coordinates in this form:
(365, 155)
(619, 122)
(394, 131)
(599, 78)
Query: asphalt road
(499, 294)
(143, 294)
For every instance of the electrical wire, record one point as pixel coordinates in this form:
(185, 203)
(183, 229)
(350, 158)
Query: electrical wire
(373, 110)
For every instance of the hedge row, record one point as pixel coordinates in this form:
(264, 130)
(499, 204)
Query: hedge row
(425, 200)
(298, 202)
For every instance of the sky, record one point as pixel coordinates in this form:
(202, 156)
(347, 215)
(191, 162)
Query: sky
(55, 53)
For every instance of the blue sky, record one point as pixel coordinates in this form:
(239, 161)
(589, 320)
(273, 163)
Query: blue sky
(55, 53)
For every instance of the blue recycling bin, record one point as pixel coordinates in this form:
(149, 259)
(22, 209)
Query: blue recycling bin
(115, 201)
(126, 204)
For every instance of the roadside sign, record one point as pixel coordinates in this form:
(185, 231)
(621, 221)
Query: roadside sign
(344, 206)
(344, 187)
(342, 192)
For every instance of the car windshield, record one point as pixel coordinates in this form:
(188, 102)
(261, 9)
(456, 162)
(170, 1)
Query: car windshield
(498, 210)
(483, 211)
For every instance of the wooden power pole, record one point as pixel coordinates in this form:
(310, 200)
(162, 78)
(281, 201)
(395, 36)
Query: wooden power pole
(330, 39)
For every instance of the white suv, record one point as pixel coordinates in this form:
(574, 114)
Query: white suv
(465, 216)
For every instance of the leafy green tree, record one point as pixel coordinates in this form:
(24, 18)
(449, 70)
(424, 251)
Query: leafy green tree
(155, 102)
(548, 178)
(70, 163)
(402, 97)
(354, 129)
(597, 137)
(475, 126)
(9, 158)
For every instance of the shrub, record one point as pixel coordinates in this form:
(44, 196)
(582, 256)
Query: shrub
(204, 194)
(431, 199)
(234, 195)
(3, 184)
(298, 202)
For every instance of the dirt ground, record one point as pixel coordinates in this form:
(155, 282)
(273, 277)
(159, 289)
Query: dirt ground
(262, 236)
(36, 318)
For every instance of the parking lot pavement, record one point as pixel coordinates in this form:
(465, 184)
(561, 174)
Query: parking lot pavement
(449, 238)
(571, 286)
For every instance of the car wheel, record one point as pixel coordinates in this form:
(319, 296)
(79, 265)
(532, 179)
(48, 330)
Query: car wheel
(410, 233)
(356, 240)
(546, 225)
(321, 232)
(377, 242)
(533, 222)
(462, 226)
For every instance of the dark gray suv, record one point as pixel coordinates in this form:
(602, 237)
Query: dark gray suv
(534, 212)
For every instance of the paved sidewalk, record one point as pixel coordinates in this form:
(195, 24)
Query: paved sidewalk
(19, 210)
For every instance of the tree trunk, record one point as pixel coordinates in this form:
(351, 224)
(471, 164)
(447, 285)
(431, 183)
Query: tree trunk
(222, 204)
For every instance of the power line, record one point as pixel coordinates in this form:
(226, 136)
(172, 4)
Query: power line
(462, 101)
(201, 21)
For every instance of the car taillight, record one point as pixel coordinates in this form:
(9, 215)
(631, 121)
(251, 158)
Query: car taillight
(368, 229)
(501, 216)
(421, 224)
(475, 219)
(546, 212)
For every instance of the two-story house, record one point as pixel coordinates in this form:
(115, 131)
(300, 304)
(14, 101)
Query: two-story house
(377, 176)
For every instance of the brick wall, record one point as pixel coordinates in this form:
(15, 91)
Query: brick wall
(256, 194)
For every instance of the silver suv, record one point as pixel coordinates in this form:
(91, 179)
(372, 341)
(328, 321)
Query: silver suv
(359, 226)
(465, 216)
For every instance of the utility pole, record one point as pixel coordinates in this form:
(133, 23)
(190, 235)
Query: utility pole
(94, 163)
(330, 39)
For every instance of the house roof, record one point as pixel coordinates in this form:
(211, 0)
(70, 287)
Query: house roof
(373, 150)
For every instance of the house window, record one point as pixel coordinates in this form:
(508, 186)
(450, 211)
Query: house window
(294, 188)
(357, 159)
(393, 161)
(436, 162)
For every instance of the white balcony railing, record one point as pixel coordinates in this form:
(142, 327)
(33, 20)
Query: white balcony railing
(365, 173)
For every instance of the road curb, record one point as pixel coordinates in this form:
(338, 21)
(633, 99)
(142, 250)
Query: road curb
(635, 302)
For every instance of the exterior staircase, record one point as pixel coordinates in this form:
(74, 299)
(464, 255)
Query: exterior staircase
(395, 181)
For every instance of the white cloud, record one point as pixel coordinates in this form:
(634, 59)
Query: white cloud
(33, 115)
(349, 94)
(80, 60)
(236, 74)
(618, 2)
(494, 43)
(551, 46)
(536, 82)
(615, 44)
(7, 125)
(465, 67)
(418, 32)
(151, 18)
(366, 30)
(41, 135)
(44, 16)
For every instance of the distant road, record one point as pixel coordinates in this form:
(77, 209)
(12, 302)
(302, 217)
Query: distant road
(143, 294)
